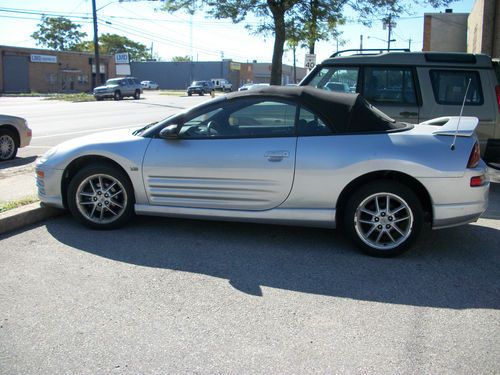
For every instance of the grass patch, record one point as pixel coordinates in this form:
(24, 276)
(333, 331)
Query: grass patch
(75, 98)
(172, 92)
(10, 205)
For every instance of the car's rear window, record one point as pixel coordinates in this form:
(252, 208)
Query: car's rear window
(449, 87)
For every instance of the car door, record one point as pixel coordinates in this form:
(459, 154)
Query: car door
(238, 155)
(392, 90)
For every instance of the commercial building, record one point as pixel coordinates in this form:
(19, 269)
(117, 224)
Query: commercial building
(39, 70)
(484, 28)
(474, 32)
(178, 75)
(446, 32)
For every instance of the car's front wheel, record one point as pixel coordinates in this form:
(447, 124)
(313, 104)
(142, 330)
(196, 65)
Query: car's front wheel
(137, 94)
(101, 197)
(383, 218)
(117, 95)
(8, 145)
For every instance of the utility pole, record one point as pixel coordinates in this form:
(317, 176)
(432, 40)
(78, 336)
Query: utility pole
(389, 27)
(96, 47)
(409, 44)
(361, 43)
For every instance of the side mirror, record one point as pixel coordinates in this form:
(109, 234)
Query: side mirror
(170, 132)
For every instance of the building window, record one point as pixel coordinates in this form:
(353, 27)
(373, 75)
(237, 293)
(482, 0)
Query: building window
(51, 78)
(83, 78)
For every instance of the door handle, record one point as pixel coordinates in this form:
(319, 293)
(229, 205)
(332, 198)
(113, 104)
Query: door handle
(408, 114)
(276, 155)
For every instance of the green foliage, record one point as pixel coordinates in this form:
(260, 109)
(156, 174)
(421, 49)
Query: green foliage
(181, 58)
(114, 43)
(58, 33)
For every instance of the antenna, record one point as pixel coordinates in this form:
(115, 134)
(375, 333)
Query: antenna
(460, 117)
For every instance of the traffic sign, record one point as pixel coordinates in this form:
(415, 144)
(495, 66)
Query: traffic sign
(310, 61)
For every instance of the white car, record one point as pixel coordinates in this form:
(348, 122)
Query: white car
(150, 85)
(14, 133)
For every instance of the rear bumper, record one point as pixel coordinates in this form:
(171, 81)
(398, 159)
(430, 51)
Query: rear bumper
(450, 215)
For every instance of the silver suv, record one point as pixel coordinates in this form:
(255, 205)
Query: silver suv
(418, 86)
(118, 88)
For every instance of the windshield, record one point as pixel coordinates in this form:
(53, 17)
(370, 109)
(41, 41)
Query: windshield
(197, 83)
(113, 82)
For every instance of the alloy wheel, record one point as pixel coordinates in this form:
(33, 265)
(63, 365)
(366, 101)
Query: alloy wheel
(101, 198)
(7, 147)
(383, 221)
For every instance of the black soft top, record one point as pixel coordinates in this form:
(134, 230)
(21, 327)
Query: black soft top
(346, 113)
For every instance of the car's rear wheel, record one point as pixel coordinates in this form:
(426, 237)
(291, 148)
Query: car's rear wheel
(101, 197)
(8, 145)
(99, 98)
(201, 93)
(383, 218)
(117, 95)
(137, 94)
(189, 94)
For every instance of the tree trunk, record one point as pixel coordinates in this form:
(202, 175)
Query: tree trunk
(314, 24)
(278, 12)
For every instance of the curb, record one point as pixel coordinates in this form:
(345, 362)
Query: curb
(26, 215)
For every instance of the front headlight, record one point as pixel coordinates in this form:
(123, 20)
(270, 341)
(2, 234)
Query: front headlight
(47, 155)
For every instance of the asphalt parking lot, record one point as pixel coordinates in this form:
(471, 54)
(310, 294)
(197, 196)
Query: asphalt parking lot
(185, 296)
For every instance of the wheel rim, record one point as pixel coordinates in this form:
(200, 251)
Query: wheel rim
(383, 221)
(7, 147)
(101, 198)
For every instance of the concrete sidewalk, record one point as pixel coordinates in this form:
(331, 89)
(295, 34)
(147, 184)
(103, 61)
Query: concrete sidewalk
(18, 186)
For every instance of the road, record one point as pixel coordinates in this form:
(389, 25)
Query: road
(180, 296)
(53, 122)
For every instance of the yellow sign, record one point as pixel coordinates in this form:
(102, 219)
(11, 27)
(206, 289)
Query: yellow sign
(235, 66)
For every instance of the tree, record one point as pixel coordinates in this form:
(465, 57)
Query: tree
(114, 43)
(58, 33)
(181, 58)
(318, 17)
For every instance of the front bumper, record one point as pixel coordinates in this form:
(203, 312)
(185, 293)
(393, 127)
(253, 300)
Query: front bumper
(48, 183)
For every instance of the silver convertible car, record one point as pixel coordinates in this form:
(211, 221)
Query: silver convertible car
(284, 155)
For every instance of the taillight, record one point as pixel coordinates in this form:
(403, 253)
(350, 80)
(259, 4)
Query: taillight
(476, 181)
(497, 90)
(475, 156)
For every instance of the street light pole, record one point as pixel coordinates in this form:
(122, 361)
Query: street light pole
(389, 27)
(96, 46)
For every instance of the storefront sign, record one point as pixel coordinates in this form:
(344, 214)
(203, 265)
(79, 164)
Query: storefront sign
(235, 66)
(121, 58)
(43, 59)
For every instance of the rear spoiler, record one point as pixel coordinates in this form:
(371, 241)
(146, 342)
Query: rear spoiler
(448, 125)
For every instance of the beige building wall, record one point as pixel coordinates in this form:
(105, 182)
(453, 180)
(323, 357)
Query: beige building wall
(484, 28)
(71, 72)
(445, 32)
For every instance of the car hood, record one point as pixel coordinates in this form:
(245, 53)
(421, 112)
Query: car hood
(118, 145)
(106, 87)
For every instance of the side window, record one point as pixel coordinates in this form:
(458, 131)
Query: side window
(334, 78)
(264, 119)
(311, 124)
(243, 119)
(389, 86)
(449, 87)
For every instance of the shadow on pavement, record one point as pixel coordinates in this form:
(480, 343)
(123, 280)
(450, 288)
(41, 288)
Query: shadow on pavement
(493, 211)
(455, 268)
(17, 162)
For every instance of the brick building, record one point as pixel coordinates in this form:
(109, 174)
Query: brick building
(446, 32)
(39, 70)
(484, 28)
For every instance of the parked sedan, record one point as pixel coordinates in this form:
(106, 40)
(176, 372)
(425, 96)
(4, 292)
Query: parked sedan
(14, 133)
(200, 88)
(150, 85)
(284, 155)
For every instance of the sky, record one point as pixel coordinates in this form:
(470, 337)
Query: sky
(203, 38)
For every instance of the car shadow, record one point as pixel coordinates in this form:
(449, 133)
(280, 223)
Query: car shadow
(454, 268)
(493, 211)
(17, 162)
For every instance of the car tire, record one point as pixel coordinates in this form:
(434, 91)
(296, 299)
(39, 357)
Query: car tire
(383, 218)
(117, 95)
(137, 94)
(189, 94)
(8, 145)
(99, 98)
(201, 93)
(101, 197)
